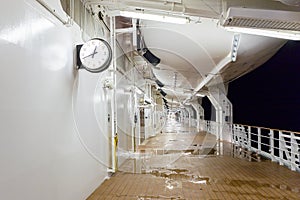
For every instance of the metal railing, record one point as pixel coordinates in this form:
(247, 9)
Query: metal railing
(211, 127)
(221, 131)
(278, 145)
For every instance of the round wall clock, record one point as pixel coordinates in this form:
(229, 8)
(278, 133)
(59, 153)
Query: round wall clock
(95, 55)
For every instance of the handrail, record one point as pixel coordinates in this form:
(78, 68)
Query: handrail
(282, 147)
(295, 132)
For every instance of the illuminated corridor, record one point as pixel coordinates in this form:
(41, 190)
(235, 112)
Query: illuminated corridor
(129, 99)
(182, 164)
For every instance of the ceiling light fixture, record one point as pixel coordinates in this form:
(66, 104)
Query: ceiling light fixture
(200, 95)
(155, 17)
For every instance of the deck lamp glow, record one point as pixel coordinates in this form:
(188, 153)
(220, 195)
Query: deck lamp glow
(155, 17)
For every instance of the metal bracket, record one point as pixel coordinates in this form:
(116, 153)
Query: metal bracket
(235, 46)
(67, 22)
(78, 62)
(108, 83)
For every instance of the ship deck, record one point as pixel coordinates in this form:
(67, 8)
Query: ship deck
(183, 164)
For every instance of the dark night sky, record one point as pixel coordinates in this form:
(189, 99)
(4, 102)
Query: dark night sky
(270, 95)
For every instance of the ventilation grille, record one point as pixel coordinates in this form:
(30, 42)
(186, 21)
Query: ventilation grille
(262, 23)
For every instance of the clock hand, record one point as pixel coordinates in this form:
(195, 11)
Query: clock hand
(92, 54)
(87, 56)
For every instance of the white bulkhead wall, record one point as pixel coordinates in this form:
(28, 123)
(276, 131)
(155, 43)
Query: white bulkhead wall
(125, 117)
(53, 118)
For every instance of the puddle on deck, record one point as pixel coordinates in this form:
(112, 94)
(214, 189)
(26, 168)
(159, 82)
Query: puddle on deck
(242, 153)
(181, 164)
(153, 158)
(256, 184)
(174, 176)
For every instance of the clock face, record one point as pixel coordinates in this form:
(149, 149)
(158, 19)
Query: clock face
(95, 55)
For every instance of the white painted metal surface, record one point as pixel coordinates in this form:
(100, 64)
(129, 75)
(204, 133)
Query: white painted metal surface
(291, 2)
(278, 145)
(197, 51)
(56, 122)
(47, 109)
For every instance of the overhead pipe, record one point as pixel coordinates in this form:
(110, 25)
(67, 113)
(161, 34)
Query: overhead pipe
(53, 12)
(113, 98)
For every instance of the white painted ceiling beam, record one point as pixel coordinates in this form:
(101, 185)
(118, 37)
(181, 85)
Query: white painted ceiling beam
(223, 63)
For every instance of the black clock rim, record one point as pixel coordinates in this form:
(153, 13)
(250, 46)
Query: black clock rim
(105, 65)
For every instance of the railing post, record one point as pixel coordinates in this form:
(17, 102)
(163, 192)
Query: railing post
(239, 135)
(249, 138)
(208, 126)
(281, 145)
(234, 134)
(289, 146)
(293, 152)
(271, 150)
(259, 139)
(244, 135)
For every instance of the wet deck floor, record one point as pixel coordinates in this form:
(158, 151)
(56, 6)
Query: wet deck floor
(179, 164)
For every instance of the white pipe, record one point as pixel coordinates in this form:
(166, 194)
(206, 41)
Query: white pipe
(52, 11)
(113, 99)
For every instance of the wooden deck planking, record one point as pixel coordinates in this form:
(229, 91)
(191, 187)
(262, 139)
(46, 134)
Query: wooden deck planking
(229, 176)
